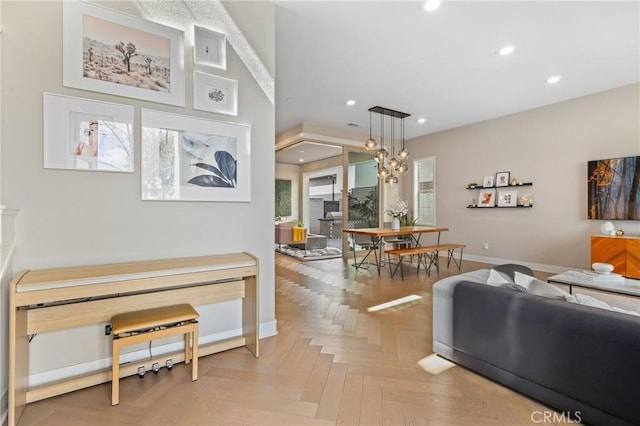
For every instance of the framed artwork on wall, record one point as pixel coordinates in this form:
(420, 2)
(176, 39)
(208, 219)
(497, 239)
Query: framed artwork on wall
(502, 178)
(508, 198)
(209, 47)
(215, 94)
(111, 52)
(83, 134)
(487, 198)
(487, 182)
(194, 159)
(283, 197)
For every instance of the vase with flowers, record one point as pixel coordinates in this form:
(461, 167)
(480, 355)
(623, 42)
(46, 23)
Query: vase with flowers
(397, 209)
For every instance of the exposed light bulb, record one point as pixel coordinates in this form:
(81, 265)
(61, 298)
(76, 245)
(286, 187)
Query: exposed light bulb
(370, 144)
(394, 162)
(404, 153)
(381, 154)
(383, 172)
(403, 169)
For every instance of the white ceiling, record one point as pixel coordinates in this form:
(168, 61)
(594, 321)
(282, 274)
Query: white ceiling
(307, 152)
(444, 65)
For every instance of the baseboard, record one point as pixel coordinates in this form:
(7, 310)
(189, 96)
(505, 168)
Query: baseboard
(267, 329)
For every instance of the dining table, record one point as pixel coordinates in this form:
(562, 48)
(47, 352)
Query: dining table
(377, 235)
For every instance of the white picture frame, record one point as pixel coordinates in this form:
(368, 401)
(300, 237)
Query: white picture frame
(150, 65)
(487, 198)
(487, 182)
(83, 134)
(209, 47)
(215, 94)
(194, 159)
(508, 198)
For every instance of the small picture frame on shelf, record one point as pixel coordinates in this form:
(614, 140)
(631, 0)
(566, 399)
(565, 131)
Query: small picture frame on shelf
(487, 198)
(502, 178)
(508, 198)
(487, 182)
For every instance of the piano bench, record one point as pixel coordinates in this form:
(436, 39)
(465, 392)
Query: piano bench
(130, 328)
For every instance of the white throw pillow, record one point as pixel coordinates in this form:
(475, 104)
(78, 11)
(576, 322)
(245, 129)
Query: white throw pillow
(497, 279)
(540, 288)
(586, 300)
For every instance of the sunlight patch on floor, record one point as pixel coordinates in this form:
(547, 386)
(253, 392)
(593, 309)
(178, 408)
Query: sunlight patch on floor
(434, 364)
(395, 302)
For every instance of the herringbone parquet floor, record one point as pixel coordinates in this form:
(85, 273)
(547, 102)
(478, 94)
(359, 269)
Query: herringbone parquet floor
(332, 362)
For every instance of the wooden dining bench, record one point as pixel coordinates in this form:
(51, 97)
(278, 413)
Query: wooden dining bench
(427, 255)
(134, 327)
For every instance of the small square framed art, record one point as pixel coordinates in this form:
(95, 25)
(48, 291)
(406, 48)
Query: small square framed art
(209, 47)
(487, 198)
(502, 178)
(507, 198)
(215, 94)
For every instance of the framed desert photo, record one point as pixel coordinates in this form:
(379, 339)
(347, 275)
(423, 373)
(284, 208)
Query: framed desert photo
(82, 134)
(502, 178)
(487, 182)
(487, 198)
(111, 52)
(209, 47)
(215, 94)
(508, 198)
(194, 159)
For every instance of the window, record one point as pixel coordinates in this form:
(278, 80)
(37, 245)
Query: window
(424, 182)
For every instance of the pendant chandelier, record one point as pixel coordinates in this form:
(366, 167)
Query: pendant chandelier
(389, 168)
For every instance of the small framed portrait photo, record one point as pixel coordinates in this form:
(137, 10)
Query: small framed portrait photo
(487, 182)
(502, 178)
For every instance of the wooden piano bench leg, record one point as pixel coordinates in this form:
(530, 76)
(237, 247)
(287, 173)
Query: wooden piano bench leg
(146, 325)
(115, 373)
(194, 352)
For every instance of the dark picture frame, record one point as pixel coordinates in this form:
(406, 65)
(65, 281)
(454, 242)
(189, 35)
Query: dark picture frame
(502, 178)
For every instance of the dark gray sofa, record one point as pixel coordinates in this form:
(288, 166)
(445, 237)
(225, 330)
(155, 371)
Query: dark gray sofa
(582, 361)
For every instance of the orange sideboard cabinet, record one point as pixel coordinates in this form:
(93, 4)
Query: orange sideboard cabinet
(622, 252)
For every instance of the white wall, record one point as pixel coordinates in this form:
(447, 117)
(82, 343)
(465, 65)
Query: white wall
(549, 146)
(72, 218)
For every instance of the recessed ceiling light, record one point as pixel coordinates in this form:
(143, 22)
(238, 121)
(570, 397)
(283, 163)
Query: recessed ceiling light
(422, 120)
(506, 50)
(351, 102)
(301, 152)
(553, 79)
(431, 5)
(301, 160)
(288, 99)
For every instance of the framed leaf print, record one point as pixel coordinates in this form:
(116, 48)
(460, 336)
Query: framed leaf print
(194, 159)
